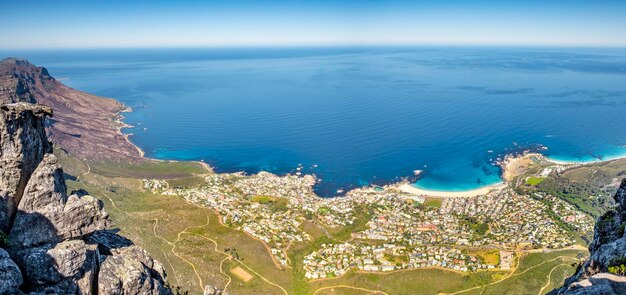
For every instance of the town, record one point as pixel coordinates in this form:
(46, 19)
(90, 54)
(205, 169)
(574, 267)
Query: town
(389, 229)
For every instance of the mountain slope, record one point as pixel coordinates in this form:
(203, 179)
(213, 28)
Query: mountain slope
(87, 126)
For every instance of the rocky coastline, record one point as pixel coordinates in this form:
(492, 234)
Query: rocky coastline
(88, 126)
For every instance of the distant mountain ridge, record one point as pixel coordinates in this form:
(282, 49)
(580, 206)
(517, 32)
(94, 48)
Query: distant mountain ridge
(85, 125)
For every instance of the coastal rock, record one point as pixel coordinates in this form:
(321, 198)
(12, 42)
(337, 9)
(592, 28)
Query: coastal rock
(10, 275)
(47, 215)
(57, 243)
(608, 249)
(23, 143)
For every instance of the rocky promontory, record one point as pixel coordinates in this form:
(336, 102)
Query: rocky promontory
(603, 272)
(52, 241)
(85, 125)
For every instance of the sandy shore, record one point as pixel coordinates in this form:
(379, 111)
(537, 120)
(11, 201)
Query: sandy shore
(408, 188)
(584, 162)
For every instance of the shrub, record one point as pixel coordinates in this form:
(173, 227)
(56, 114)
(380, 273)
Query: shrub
(4, 239)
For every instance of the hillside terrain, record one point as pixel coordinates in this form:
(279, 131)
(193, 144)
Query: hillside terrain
(603, 272)
(268, 234)
(86, 125)
(52, 241)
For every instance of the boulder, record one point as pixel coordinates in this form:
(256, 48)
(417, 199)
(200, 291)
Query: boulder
(599, 284)
(66, 267)
(130, 270)
(10, 275)
(47, 215)
(108, 241)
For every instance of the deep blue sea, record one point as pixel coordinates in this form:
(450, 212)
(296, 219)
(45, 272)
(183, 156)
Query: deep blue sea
(361, 115)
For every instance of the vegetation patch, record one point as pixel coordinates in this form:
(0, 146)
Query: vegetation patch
(4, 239)
(534, 180)
(433, 203)
(480, 228)
(489, 256)
(262, 199)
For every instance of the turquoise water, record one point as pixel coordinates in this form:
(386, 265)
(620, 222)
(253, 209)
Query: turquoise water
(359, 116)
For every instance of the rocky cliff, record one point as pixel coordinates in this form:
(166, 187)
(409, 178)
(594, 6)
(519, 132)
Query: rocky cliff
(84, 125)
(53, 242)
(604, 272)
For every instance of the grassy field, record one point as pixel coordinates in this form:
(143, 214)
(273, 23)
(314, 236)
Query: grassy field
(534, 180)
(197, 250)
(432, 202)
(488, 256)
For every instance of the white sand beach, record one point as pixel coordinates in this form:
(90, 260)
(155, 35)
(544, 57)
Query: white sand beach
(408, 188)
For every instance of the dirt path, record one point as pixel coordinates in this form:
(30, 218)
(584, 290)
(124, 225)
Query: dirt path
(512, 274)
(216, 249)
(550, 277)
(246, 266)
(350, 287)
(193, 266)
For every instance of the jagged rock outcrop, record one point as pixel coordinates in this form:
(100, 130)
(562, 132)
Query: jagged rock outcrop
(58, 243)
(23, 143)
(47, 215)
(607, 251)
(84, 124)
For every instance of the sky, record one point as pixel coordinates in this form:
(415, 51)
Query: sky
(27, 24)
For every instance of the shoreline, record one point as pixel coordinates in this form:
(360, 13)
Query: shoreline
(507, 165)
(560, 162)
(411, 189)
(119, 120)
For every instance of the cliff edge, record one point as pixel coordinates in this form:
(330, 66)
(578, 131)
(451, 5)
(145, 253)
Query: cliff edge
(604, 272)
(52, 241)
(85, 125)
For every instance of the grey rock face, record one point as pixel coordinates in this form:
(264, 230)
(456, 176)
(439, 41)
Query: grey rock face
(70, 265)
(602, 283)
(10, 275)
(23, 143)
(57, 243)
(607, 249)
(47, 215)
(131, 271)
(108, 242)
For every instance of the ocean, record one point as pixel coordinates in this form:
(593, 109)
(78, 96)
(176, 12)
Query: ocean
(356, 116)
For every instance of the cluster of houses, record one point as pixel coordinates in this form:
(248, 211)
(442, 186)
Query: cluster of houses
(514, 220)
(333, 260)
(400, 231)
(569, 214)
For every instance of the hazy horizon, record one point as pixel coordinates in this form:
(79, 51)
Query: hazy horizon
(193, 24)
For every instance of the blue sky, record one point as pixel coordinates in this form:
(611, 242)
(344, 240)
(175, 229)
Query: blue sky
(103, 24)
